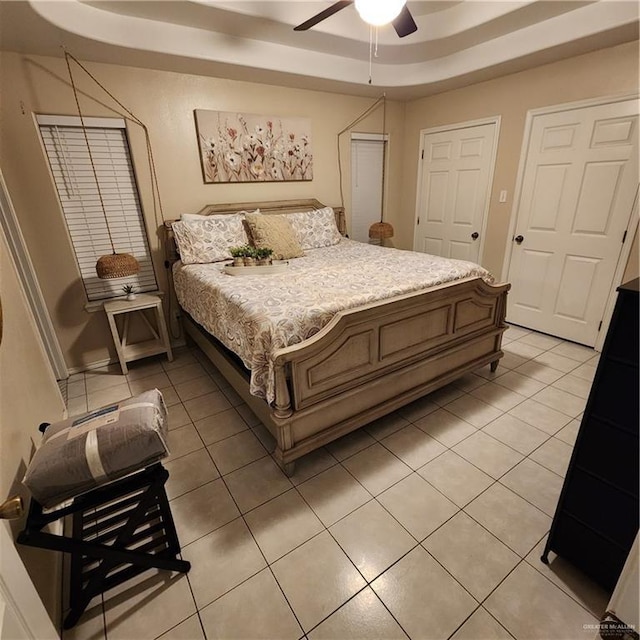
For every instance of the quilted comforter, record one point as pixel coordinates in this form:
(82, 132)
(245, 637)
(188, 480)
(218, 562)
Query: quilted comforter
(256, 315)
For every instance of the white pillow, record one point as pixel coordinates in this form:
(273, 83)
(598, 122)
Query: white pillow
(315, 228)
(190, 217)
(210, 238)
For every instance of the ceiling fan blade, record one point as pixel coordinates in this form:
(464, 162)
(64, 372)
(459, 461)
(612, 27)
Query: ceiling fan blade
(323, 15)
(404, 24)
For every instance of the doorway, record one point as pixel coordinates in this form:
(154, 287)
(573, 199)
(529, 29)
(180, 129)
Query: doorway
(577, 188)
(367, 157)
(454, 185)
(26, 272)
(22, 614)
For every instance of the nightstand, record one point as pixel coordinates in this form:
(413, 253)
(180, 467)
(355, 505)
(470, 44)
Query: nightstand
(158, 343)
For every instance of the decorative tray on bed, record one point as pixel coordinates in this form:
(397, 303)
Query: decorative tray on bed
(257, 270)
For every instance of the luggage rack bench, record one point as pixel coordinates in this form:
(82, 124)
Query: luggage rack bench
(119, 530)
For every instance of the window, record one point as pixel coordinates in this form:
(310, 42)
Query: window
(66, 149)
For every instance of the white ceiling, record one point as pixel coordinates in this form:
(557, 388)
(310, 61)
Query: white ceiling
(457, 42)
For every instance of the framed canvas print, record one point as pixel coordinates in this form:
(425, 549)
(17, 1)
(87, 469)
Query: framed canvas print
(241, 147)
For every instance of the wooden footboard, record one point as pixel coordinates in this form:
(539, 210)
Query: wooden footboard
(372, 360)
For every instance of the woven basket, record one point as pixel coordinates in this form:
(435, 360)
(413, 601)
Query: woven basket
(117, 265)
(381, 230)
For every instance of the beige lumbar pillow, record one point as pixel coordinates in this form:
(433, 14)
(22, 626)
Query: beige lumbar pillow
(274, 232)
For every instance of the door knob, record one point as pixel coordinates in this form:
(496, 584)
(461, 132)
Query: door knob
(12, 508)
(519, 239)
(475, 235)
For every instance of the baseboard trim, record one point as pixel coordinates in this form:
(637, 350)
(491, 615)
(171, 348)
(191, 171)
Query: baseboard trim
(97, 364)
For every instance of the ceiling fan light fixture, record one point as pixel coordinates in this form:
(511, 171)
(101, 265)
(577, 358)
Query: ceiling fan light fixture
(379, 12)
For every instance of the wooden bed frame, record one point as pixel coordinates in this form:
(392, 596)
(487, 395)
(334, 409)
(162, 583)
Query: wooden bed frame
(367, 361)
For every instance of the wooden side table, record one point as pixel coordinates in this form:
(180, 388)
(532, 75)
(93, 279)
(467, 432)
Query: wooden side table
(158, 343)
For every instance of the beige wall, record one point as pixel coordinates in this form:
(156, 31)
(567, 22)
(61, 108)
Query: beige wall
(29, 395)
(165, 103)
(603, 73)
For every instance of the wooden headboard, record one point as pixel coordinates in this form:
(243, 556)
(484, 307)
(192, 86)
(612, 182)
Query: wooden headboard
(267, 207)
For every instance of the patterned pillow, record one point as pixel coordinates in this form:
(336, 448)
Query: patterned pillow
(209, 240)
(190, 217)
(274, 232)
(315, 228)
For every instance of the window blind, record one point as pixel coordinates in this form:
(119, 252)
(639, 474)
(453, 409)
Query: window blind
(70, 163)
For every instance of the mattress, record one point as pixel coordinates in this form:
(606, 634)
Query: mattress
(256, 315)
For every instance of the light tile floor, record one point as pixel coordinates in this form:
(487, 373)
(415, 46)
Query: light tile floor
(428, 523)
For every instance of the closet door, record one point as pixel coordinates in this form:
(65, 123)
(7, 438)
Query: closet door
(455, 175)
(366, 185)
(579, 185)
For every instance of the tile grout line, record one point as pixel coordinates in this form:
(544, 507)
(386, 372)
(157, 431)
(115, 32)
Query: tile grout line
(267, 563)
(375, 497)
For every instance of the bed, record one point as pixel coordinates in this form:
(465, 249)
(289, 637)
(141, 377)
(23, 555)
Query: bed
(357, 362)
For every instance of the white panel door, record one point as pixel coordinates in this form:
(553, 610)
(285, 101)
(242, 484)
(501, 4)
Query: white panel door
(579, 184)
(366, 186)
(22, 614)
(455, 180)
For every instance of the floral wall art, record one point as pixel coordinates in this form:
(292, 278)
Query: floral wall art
(241, 147)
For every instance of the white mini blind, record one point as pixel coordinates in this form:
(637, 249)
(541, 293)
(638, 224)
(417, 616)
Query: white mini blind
(66, 149)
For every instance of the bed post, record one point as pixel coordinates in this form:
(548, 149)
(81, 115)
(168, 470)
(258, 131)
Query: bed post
(282, 402)
(282, 410)
(285, 443)
(501, 313)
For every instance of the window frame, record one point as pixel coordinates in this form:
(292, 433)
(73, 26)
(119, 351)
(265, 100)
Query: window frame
(111, 288)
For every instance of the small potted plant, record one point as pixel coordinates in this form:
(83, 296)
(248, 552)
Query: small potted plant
(250, 257)
(263, 256)
(238, 253)
(130, 291)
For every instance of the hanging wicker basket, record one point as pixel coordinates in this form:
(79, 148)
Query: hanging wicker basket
(117, 265)
(381, 230)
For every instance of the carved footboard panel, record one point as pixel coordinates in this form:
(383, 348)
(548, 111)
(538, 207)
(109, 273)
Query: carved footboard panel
(369, 361)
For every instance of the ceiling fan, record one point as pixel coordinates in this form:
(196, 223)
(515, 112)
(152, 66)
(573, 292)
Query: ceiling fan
(372, 12)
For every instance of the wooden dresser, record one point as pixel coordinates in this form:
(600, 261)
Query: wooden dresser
(596, 519)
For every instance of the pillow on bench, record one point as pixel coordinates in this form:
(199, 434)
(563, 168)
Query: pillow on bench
(84, 452)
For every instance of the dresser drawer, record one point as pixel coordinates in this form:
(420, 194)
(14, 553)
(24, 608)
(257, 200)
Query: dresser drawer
(602, 507)
(623, 340)
(616, 396)
(609, 453)
(588, 551)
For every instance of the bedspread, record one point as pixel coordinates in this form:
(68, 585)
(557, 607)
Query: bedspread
(258, 314)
